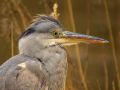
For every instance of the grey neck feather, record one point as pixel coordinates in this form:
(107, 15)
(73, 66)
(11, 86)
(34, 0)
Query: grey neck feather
(54, 58)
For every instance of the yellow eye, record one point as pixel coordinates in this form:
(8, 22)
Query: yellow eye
(55, 33)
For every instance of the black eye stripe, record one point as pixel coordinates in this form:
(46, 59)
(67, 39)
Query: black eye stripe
(43, 24)
(27, 32)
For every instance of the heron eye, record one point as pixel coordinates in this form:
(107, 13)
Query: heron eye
(55, 33)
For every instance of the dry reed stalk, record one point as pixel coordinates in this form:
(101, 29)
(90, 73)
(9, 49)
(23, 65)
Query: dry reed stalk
(98, 84)
(11, 7)
(21, 13)
(27, 14)
(87, 32)
(72, 21)
(17, 27)
(106, 77)
(46, 6)
(13, 18)
(112, 42)
(113, 85)
(88, 16)
(86, 66)
(70, 86)
(12, 39)
(55, 13)
(11, 32)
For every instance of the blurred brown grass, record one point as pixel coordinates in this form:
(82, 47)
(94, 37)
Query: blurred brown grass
(17, 19)
(112, 44)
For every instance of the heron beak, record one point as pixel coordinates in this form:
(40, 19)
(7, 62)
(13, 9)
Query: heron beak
(70, 38)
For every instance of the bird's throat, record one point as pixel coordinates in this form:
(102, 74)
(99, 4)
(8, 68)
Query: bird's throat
(55, 61)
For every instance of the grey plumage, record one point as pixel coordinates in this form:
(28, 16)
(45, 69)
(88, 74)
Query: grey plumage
(38, 66)
(42, 60)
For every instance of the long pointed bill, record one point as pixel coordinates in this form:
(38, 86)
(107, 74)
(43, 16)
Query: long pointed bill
(77, 38)
(70, 38)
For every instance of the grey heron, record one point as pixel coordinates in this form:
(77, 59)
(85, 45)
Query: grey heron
(42, 60)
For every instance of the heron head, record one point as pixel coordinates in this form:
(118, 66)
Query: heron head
(47, 31)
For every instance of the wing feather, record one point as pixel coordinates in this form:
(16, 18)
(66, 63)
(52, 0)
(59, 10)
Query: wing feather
(29, 75)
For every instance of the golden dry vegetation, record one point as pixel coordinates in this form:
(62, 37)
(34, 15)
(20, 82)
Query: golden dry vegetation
(91, 67)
